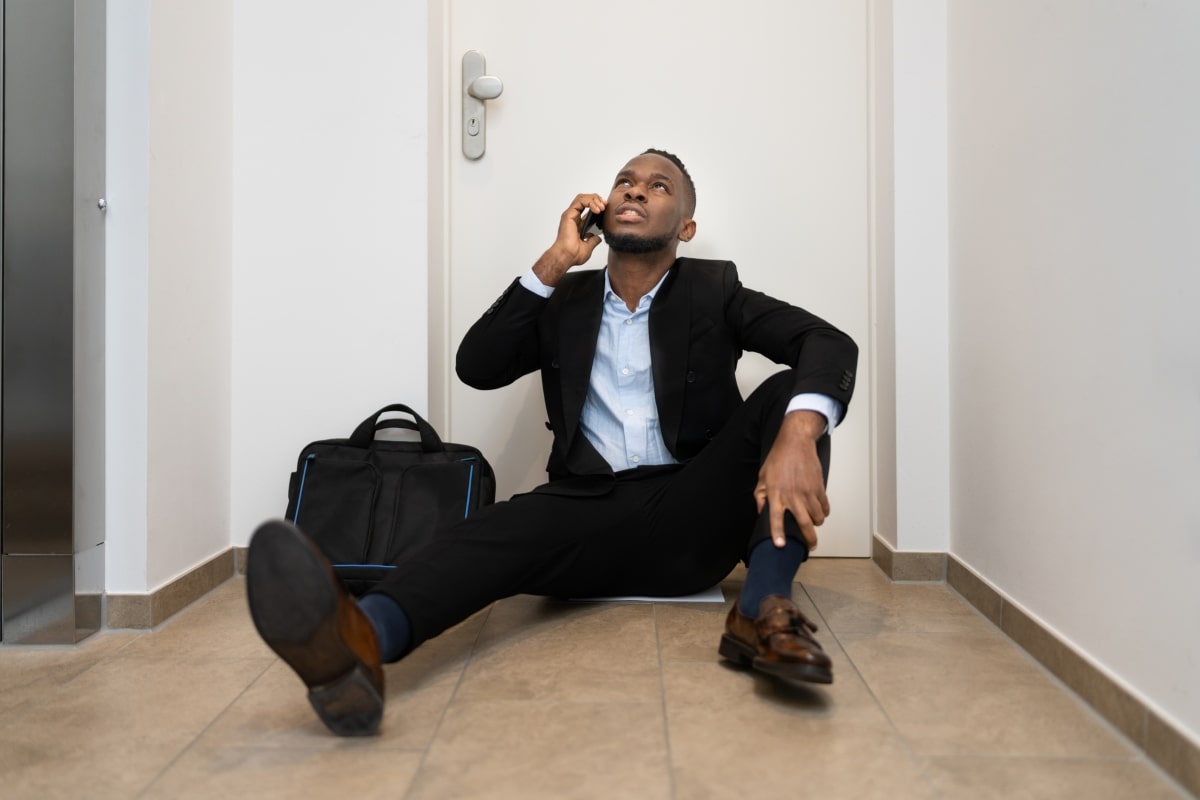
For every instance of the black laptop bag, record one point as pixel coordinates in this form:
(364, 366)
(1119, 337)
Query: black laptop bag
(367, 502)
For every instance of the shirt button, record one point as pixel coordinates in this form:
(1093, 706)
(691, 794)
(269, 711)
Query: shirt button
(635, 459)
(625, 371)
(628, 322)
(629, 412)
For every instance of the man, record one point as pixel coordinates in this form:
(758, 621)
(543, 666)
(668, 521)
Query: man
(661, 477)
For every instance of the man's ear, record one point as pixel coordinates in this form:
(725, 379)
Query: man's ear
(688, 231)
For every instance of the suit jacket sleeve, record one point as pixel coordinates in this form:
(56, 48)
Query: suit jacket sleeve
(824, 358)
(503, 344)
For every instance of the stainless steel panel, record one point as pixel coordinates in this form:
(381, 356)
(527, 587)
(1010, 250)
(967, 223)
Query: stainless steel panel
(39, 160)
(2, 36)
(39, 602)
(52, 498)
(88, 418)
(89, 590)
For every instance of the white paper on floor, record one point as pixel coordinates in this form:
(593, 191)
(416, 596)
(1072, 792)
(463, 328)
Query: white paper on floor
(710, 595)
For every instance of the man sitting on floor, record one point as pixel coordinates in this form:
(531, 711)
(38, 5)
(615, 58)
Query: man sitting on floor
(661, 476)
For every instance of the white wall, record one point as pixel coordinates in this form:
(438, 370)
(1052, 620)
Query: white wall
(167, 305)
(883, 271)
(921, 263)
(1074, 356)
(911, 399)
(126, 274)
(330, 237)
(267, 257)
(188, 323)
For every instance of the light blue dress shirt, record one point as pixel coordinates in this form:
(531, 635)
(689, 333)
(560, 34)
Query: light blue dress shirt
(620, 415)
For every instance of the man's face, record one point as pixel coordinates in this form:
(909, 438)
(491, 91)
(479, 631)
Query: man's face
(647, 207)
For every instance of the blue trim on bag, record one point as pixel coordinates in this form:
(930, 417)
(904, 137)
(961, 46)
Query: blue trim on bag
(467, 506)
(300, 493)
(470, 475)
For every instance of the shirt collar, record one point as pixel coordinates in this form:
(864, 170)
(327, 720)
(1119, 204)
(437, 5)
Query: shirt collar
(647, 298)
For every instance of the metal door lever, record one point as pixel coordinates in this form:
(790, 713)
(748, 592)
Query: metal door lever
(476, 88)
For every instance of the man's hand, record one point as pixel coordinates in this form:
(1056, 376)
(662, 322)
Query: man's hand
(791, 479)
(568, 249)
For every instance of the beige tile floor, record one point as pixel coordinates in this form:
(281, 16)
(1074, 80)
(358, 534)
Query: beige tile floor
(538, 699)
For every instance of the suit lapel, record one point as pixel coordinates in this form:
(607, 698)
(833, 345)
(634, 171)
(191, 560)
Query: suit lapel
(670, 322)
(581, 315)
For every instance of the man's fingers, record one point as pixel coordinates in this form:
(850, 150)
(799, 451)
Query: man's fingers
(777, 535)
(818, 510)
(809, 532)
(806, 523)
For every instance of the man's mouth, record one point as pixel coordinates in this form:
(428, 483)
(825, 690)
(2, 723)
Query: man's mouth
(629, 211)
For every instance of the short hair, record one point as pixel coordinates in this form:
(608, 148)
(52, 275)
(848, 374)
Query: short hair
(687, 178)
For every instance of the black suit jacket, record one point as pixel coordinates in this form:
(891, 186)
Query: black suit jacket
(701, 321)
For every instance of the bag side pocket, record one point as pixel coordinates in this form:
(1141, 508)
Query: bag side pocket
(431, 496)
(335, 503)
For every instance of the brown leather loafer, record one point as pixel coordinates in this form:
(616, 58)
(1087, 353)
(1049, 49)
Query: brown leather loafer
(302, 612)
(778, 642)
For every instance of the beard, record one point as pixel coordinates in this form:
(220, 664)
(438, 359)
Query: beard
(633, 244)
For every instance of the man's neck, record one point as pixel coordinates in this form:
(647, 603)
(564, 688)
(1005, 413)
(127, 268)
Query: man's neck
(633, 275)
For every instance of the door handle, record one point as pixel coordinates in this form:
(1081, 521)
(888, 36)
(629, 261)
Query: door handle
(477, 87)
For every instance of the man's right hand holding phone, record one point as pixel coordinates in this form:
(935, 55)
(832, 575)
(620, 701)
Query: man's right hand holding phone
(573, 246)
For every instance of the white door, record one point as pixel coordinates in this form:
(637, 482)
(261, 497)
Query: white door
(764, 101)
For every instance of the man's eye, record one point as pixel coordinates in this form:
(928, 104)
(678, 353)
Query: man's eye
(658, 185)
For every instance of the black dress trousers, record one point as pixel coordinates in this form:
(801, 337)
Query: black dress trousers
(658, 531)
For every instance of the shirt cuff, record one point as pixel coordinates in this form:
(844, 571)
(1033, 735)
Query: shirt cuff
(530, 281)
(822, 404)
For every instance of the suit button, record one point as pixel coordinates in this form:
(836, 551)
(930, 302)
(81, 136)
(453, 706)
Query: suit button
(554, 364)
(708, 434)
(691, 377)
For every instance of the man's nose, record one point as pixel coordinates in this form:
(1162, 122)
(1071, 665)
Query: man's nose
(635, 193)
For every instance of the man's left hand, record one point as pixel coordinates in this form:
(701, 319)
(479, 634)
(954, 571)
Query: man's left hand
(790, 479)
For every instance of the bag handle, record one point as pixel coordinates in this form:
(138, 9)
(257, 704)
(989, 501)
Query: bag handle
(364, 434)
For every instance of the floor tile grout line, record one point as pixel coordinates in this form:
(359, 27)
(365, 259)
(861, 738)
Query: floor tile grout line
(662, 687)
(205, 729)
(449, 701)
(912, 754)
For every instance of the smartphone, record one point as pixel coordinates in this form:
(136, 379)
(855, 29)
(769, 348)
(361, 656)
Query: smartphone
(589, 222)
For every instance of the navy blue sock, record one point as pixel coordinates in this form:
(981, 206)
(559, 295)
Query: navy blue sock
(392, 628)
(770, 570)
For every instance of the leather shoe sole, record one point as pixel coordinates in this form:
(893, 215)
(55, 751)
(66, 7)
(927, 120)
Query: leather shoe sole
(304, 615)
